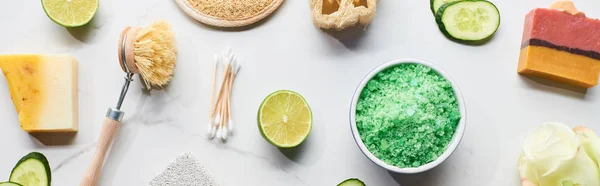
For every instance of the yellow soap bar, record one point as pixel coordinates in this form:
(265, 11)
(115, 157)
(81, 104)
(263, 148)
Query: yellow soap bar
(561, 66)
(43, 89)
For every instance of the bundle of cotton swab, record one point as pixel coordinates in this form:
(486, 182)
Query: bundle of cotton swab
(220, 123)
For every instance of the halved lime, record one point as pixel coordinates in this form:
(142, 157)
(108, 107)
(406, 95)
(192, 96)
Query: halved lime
(70, 13)
(284, 119)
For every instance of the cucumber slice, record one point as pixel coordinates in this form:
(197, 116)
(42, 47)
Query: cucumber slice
(436, 4)
(32, 170)
(468, 20)
(352, 182)
(8, 183)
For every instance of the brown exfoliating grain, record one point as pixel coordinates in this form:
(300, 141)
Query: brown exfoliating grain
(230, 9)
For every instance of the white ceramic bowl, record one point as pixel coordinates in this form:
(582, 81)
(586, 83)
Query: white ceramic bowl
(460, 129)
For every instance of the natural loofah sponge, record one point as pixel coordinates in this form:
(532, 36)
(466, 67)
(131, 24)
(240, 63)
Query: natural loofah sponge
(341, 14)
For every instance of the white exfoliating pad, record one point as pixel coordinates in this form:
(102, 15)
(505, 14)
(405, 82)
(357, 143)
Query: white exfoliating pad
(185, 171)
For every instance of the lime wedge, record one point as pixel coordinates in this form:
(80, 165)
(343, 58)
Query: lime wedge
(284, 119)
(70, 13)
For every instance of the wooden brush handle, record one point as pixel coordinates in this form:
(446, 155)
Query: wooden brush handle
(109, 131)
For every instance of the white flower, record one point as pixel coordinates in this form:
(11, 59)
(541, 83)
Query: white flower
(555, 155)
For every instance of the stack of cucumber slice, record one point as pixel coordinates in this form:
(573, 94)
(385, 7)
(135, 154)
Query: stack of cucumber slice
(32, 170)
(469, 21)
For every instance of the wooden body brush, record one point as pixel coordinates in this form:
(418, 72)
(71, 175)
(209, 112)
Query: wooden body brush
(150, 52)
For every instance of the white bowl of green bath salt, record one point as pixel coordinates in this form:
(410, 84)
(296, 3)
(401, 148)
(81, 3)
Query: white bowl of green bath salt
(407, 116)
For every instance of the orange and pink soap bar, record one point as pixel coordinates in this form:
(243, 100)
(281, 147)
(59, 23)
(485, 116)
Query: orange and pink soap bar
(561, 44)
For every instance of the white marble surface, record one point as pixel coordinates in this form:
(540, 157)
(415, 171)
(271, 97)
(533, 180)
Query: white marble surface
(284, 52)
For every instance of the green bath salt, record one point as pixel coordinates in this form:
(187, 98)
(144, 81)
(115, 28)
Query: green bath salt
(407, 114)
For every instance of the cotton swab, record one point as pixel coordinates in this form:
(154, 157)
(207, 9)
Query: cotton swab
(226, 109)
(235, 70)
(209, 130)
(219, 131)
(225, 132)
(213, 131)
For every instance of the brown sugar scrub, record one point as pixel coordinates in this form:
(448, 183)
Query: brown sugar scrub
(341, 14)
(228, 13)
(223, 8)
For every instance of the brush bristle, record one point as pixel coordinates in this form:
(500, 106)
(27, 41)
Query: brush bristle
(155, 53)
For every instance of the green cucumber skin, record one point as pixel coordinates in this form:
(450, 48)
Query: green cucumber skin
(352, 182)
(431, 7)
(38, 156)
(438, 20)
(8, 183)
